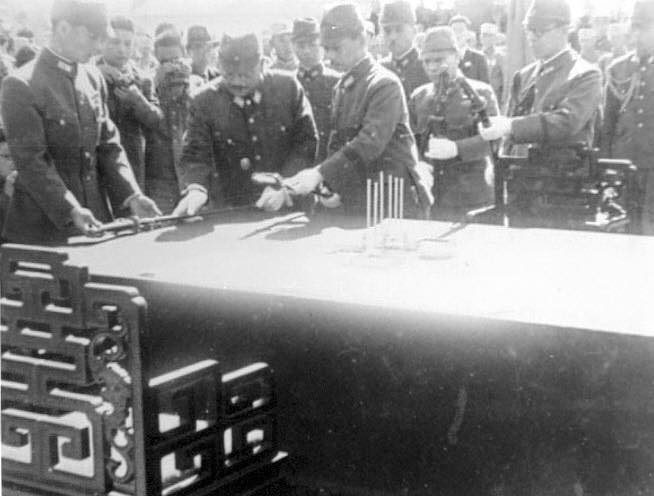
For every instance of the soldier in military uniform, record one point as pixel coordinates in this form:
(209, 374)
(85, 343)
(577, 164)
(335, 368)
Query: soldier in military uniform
(317, 80)
(553, 102)
(172, 83)
(371, 130)
(282, 48)
(66, 148)
(398, 22)
(132, 104)
(473, 62)
(199, 46)
(248, 120)
(444, 116)
(628, 131)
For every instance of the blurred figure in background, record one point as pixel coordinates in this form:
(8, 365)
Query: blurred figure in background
(587, 39)
(198, 47)
(283, 57)
(143, 54)
(473, 63)
(398, 22)
(618, 36)
(489, 34)
(164, 148)
(131, 101)
(317, 80)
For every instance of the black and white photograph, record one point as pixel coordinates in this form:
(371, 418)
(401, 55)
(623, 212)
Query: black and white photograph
(327, 247)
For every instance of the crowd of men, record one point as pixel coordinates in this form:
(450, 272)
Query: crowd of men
(106, 121)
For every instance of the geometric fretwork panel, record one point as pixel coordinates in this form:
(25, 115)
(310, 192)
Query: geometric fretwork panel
(80, 414)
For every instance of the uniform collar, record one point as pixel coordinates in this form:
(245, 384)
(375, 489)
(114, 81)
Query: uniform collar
(62, 64)
(556, 61)
(406, 58)
(253, 99)
(312, 73)
(359, 69)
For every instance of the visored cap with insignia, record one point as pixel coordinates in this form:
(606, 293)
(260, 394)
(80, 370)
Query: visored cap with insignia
(305, 29)
(341, 21)
(643, 14)
(238, 52)
(398, 12)
(545, 14)
(90, 14)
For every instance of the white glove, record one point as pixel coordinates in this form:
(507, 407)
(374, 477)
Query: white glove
(304, 182)
(192, 202)
(441, 149)
(500, 127)
(272, 199)
(331, 201)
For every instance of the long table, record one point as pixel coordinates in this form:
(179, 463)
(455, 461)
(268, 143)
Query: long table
(456, 359)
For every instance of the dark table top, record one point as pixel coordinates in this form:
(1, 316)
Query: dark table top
(584, 280)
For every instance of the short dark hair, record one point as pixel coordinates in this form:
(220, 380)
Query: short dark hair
(164, 26)
(123, 23)
(460, 18)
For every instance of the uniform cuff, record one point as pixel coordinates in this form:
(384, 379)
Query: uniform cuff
(194, 187)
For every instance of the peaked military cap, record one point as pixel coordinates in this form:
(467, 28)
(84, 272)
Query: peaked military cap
(305, 29)
(643, 13)
(546, 13)
(341, 21)
(197, 35)
(90, 14)
(398, 12)
(240, 51)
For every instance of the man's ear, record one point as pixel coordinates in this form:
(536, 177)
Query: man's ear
(62, 28)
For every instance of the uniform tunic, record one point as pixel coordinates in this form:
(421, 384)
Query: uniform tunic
(628, 131)
(370, 133)
(318, 83)
(555, 102)
(66, 148)
(409, 69)
(229, 138)
(460, 184)
(474, 65)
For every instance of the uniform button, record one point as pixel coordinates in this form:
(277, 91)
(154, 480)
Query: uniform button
(640, 111)
(255, 138)
(643, 68)
(282, 128)
(62, 122)
(640, 124)
(245, 163)
(257, 157)
(251, 120)
(87, 154)
(229, 141)
(641, 97)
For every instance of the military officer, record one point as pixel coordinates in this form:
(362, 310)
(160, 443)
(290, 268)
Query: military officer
(628, 131)
(553, 102)
(248, 120)
(371, 130)
(132, 104)
(199, 46)
(444, 116)
(473, 62)
(317, 80)
(398, 21)
(66, 148)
